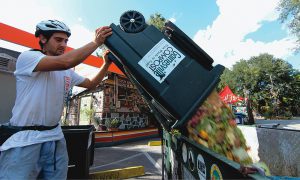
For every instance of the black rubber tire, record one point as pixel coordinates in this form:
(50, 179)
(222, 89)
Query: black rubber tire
(132, 22)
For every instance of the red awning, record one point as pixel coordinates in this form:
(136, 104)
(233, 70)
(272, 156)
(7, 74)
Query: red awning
(227, 96)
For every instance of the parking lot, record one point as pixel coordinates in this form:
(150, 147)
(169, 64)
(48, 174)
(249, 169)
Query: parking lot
(128, 155)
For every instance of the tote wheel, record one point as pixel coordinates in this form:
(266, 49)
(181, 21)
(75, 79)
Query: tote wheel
(132, 22)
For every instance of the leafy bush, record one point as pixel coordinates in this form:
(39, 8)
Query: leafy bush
(96, 120)
(112, 123)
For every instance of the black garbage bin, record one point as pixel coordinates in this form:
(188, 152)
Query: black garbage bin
(80, 144)
(170, 69)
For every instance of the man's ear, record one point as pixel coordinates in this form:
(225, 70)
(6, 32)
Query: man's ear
(43, 39)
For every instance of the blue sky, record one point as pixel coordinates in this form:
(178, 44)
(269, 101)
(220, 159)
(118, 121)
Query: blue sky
(228, 30)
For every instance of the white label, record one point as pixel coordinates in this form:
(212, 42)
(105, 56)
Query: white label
(191, 160)
(161, 60)
(201, 167)
(184, 153)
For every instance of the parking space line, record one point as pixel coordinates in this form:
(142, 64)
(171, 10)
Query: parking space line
(153, 162)
(130, 157)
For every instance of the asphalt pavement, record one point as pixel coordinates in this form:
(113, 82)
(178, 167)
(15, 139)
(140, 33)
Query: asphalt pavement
(140, 154)
(128, 155)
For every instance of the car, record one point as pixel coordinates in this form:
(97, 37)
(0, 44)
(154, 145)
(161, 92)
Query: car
(240, 118)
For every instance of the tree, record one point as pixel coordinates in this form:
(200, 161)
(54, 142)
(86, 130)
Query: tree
(272, 83)
(290, 12)
(157, 20)
(89, 113)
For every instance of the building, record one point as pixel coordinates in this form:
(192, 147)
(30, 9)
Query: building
(115, 98)
(8, 83)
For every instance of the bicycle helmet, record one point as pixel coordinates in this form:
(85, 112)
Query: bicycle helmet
(51, 26)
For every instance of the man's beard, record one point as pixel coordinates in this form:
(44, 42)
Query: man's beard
(59, 52)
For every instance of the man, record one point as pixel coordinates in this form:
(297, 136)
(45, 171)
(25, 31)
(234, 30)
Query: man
(38, 148)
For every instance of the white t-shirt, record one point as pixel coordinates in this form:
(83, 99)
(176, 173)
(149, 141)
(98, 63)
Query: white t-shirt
(39, 101)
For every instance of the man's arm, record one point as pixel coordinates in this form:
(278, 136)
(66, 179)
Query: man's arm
(90, 84)
(74, 57)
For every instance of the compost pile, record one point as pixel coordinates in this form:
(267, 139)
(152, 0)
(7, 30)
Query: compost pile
(214, 127)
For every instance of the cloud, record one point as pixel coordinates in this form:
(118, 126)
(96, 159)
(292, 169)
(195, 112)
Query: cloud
(29, 13)
(80, 36)
(224, 40)
(173, 20)
(79, 19)
(19, 14)
(25, 14)
(175, 16)
(85, 71)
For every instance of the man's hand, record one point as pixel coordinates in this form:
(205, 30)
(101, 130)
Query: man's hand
(105, 57)
(90, 84)
(101, 34)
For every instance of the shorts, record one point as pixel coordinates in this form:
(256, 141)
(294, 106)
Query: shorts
(48, 160)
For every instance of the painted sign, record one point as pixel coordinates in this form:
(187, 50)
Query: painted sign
(215, 173)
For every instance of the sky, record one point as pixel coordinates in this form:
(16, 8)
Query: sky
(228, 30)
